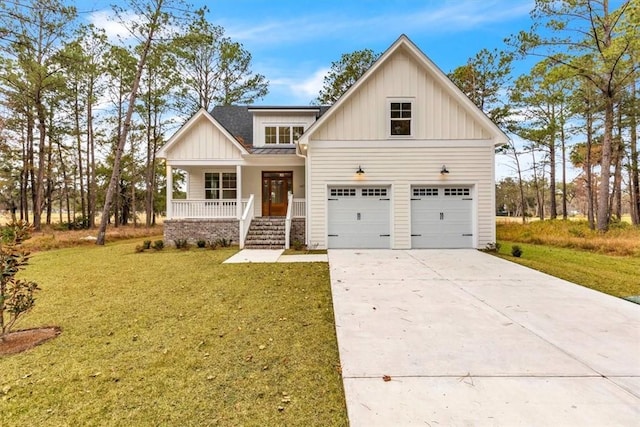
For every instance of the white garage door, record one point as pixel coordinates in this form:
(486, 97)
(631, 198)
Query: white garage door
(358, 217)
(441, 217)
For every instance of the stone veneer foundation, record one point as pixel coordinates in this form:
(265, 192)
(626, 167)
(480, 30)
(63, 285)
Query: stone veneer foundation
(213, 229)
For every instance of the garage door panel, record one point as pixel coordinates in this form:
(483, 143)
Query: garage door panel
(358, 217)
(441, 217)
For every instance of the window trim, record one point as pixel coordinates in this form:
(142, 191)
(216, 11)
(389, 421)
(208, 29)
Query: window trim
(412, 121)
(278, 126)
(221, 190)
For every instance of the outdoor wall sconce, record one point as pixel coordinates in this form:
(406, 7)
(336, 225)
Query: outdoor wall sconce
(444, 170)
(359, 171)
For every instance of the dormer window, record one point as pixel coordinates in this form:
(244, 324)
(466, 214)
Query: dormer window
(400, 118)
(282, 134)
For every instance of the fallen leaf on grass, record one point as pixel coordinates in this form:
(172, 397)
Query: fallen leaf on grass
(262, 347)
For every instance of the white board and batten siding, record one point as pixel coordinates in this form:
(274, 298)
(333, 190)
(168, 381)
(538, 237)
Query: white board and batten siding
(444, 132)
(437, 115)
(204, 142)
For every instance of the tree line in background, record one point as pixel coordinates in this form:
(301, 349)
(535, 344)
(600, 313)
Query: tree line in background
(82, 116)
(576, 106)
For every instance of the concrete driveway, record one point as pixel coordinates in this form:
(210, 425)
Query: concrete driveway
(468, 339)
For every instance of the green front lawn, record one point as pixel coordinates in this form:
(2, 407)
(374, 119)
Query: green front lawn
(615, 275)
(175, 338)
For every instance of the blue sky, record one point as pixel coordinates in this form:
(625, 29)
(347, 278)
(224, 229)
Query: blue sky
(293, 42)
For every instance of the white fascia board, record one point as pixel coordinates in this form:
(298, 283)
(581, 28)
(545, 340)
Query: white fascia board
(205, 162)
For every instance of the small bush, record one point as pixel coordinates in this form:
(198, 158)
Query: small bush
(516, 251)
(201, 243)
(298, 245)
(211, 244)
(181, 243)
(146, 244)
(223, 243)
(16, 295)
(158, 245)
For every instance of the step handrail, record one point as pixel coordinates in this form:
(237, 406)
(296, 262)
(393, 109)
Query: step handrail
(287, 221)
(245, 221)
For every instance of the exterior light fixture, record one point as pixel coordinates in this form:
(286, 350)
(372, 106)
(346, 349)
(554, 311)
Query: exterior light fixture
(444, 170)
(359, 171)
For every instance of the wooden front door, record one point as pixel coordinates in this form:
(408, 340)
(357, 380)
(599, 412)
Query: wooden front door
(275, 190)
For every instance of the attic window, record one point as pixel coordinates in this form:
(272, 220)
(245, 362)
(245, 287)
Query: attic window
(282, 134)
(400, 119)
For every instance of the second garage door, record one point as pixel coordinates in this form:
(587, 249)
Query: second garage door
(359, 217)
(441, 217)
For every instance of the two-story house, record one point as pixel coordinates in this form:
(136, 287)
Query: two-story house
(402, 160)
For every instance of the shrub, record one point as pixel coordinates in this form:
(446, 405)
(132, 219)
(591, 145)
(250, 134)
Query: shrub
(212, 244)
(181, 243)
(223, 243)
(201, 243)
(516, 251)
(16, 295)
(158, 245)
(146, 244)
(297, 245)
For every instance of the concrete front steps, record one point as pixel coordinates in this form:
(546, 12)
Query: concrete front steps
(266, 233)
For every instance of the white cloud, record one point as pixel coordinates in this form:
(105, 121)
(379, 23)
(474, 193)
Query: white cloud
(311, 86)
(114, 30)
(300, 89)
(444, 17)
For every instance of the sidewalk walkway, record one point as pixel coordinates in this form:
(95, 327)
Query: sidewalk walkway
(272, 255)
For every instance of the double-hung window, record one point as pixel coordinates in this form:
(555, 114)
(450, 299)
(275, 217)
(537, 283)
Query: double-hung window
(282, 134)
(220, 185)
(400, 118)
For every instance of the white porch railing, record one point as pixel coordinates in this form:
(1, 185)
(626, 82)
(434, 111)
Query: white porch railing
(204, 209)
(287, 220)
(245, 220)
(298, 208)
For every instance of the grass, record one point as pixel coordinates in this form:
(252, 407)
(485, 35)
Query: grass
(175, 338)
(293, 251)
(622, 239)
(50, 238)
(570, 250)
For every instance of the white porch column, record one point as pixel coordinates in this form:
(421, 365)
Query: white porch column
(169, 190)
(239, 191)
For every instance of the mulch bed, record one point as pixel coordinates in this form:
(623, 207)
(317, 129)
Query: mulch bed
(19, 341)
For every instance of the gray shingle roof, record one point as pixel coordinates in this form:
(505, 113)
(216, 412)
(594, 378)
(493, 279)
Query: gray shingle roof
(239, 122)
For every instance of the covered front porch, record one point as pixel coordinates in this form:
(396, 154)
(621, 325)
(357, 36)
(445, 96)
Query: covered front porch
(222, 200)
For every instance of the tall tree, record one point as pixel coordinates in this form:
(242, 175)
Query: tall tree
(33, 36)
(592, 41)
(158, 82)
(344, 73)
(215, 69)
(154, 17)
(484, 79)
(541, 98)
